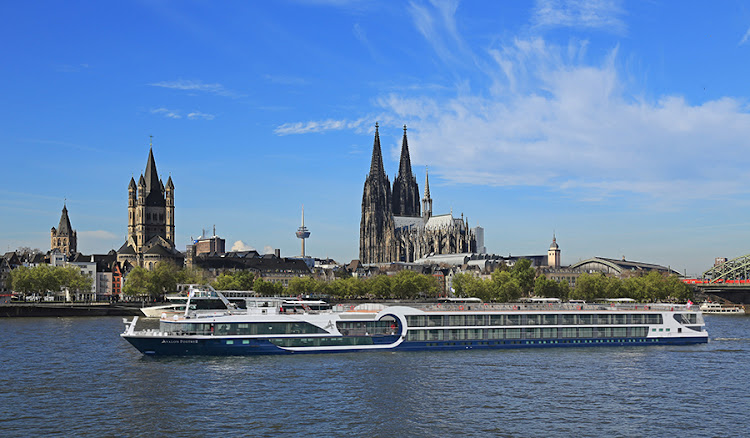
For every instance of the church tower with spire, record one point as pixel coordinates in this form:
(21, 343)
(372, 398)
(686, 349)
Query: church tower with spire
(376, 231)
(64, 238)
(553, 254)
(151, 235)
(426, 201)
(405, 188)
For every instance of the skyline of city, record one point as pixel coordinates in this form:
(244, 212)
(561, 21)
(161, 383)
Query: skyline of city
(618, 127)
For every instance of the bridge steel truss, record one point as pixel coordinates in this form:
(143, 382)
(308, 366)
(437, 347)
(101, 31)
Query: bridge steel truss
(735, 269)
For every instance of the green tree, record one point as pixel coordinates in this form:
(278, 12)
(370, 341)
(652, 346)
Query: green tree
(71, 278)
(21, 280)
(378, 287)
(192, 276)
(523, 274)
(137, 283)
(238, 280)
(267, 288)
(507, 288)
(303, 286)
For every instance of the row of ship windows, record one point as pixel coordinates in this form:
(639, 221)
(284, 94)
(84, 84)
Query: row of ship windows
(550, 342)
(351, 328)
(526, 333)
(532, 319)
(254, 328)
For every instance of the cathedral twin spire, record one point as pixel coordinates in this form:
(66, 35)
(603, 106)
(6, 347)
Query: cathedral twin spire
(405, 188)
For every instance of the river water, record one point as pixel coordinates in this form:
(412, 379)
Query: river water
(77, 377)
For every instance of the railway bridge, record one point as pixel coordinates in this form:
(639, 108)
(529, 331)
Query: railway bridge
(729, 280)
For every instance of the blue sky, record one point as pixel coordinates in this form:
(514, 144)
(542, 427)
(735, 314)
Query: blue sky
(623, 127)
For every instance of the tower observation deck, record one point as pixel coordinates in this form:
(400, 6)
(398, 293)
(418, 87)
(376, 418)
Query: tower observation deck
(302, 232)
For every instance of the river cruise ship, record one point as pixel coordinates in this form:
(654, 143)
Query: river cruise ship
(440, 326)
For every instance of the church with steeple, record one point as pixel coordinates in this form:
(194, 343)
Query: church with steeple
(151, 237)
(393, 227)
(64, 238)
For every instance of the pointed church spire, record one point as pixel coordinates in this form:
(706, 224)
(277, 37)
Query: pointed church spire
(151, 175)
(376, 165)
(426, 201)
(426, 183)
(154, 189)
(405, 189)
(64, 228)
(404, 167)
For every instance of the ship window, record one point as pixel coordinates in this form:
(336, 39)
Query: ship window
(585, 332)
(456, 320)
(619, 332)
(585, 319)
(533, 333)
(513, 319)
(638, 318)
(567, 319)
(619, 319)
(496, 320)
(415, 335)
(654, 319)
(549, 319)
(549, 332)
(685, 318)
(435, 321)
(495, 333)
(513, 333)
(602, 319)
(435, 335)
(457, 334)
(568, 332)
(415, 320)
(533, 319)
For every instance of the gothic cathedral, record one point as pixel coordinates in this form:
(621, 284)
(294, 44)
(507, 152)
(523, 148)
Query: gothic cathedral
(150, 221)
(393, 229)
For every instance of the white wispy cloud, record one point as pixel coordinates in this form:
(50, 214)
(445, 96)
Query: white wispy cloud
(592, 14)
(319, 126)
(196, 86)
(555, 121)
(744, 38)
(437, 24)
(166, 113)
(199, 115)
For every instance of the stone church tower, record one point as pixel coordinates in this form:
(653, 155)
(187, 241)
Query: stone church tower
(405, 188)
(376, 231)
(150, 220)
(553, 254)
(64, 238)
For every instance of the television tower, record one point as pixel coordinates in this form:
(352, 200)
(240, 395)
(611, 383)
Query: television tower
(302, 232)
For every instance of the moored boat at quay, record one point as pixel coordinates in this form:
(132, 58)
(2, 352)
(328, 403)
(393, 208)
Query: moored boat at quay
(274, 330)
(718, 309)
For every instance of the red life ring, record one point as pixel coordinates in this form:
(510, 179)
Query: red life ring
(460, 307)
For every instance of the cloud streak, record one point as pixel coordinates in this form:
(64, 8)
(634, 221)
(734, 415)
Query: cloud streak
(592, 14)
(319, 126)
(176, 114)
(196, 86)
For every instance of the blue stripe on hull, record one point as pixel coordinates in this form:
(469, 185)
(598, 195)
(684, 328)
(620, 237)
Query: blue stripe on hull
(248, 347)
